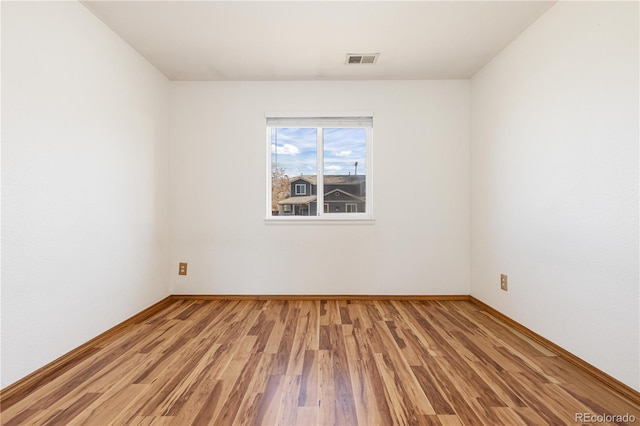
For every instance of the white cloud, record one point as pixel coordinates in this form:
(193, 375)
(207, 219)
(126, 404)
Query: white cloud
(343, 153)
(336, 168)
(286, 149)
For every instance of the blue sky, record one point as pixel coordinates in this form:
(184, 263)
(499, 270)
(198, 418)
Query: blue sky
(296, 150)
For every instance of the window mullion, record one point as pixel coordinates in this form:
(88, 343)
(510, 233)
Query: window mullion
(369, 172)
(319, 171)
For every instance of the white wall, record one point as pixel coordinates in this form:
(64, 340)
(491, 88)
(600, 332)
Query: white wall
(419, 243)
(554, 160)
(85, 143)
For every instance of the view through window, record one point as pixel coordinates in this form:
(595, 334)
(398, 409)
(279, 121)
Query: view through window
(319, 162)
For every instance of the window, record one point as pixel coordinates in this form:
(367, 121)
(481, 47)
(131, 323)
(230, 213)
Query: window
(319, 161)
(301, 189)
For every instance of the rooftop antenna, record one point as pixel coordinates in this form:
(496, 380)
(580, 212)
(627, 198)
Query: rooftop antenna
(356, 168)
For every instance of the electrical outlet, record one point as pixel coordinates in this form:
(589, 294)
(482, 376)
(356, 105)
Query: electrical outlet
(504, 285)
(182, 268)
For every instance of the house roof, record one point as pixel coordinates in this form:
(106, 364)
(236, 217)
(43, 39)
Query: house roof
(349, 197)
(311, 198)
(331, 179)
(307, 178)
(298, 200)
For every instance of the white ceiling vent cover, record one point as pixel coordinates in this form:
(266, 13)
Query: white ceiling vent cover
(362, 58)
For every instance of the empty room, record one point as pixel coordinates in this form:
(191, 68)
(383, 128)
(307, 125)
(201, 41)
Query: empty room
(317, 213)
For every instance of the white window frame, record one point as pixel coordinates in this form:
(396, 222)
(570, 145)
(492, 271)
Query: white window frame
(304, 189)
(322, 121)
(354, 206)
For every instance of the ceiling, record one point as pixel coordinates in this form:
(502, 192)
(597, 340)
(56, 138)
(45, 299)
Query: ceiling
(309, 40)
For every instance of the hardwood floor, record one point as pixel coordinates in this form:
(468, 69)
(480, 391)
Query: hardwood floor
(306, 362)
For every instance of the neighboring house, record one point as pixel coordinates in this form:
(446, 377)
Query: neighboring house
(342, 194)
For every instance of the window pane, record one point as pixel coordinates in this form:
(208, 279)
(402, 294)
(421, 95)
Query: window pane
(345, 170)
(293, 171)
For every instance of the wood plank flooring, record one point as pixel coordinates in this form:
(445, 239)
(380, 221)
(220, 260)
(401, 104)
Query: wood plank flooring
(306, 362)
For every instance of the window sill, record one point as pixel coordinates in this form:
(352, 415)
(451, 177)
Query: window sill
(318, 220)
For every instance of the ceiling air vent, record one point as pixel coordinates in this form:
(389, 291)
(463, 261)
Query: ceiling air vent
(362, 58)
